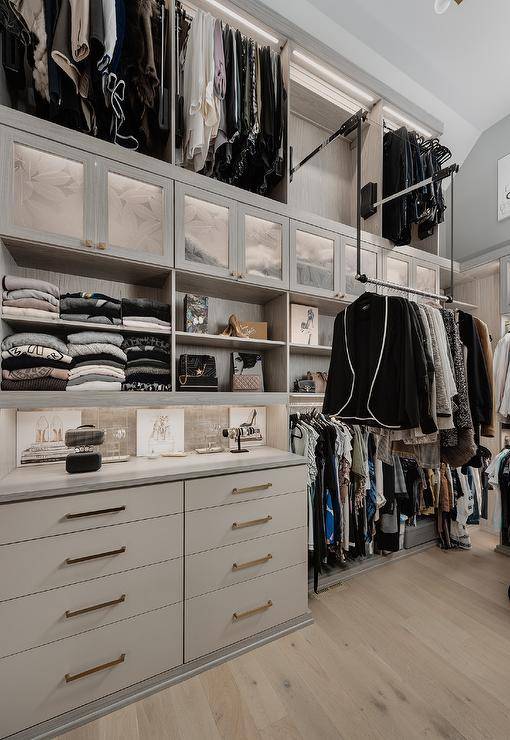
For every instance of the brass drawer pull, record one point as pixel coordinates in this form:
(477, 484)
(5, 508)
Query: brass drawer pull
(98, 512)
(103, 667)
(252, 522)
(251, 563)
(102, 245)
(85, 558)
(94, 608)
(251, 612)
(89, 243)
(252, 489)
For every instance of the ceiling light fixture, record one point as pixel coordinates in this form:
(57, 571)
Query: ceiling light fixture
(441, 6)
(245, 22)
(332, 76)
(392, 113)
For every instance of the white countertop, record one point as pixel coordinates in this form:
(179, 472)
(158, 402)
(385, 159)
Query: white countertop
(52, 480)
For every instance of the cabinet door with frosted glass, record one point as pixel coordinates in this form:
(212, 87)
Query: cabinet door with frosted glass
(205, 232)
(397, 270)
(136, 216)
(425, 277)
(48, 193)
(263, 247)
(314, 260)
(370, 266)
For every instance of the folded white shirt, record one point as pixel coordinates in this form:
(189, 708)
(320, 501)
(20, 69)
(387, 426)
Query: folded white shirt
(96, 385)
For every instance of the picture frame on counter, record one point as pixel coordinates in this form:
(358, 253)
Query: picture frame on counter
(159, 432)
(40, 435)
(248, 416)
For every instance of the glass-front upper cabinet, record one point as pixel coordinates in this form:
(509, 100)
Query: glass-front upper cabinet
(263, 247)
(49, 195)
(136, 219)
(370, 266)
(314, 260)
(397, 270)
(205, 232)
(425, 277)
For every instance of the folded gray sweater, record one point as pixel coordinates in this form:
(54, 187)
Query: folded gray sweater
(33, 337)
(14, 282)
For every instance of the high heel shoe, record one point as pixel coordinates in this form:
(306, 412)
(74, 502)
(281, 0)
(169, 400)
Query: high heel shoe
(234, 328)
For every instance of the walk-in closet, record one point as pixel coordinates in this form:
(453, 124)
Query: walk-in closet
(253, 396)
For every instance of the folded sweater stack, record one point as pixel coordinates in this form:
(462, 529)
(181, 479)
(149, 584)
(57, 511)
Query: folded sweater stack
(96, 308)
(142, 313)
(98, 361)
(148, 363)
(29, 298)
(34, 362)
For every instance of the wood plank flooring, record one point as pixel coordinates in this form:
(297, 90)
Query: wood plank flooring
(417, 649)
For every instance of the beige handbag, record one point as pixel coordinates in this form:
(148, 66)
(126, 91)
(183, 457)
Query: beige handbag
(320, 379)
(246, 383)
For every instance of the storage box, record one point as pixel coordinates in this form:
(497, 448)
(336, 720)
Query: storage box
(255, 329)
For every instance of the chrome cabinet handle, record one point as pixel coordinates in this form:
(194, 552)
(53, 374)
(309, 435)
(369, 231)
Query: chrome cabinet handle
(97, 512)
(96, 556)
(252, 489)
(252, 522)
(251, 563)
(95, 607)
(103, 667)
(250, 612)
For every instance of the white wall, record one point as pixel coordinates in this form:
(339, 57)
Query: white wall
(477, 229)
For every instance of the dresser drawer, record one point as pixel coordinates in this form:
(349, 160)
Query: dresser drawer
(224, 617)
(227, 489)
(31, 519)
(225, 525)
(42, 683)
(30, 567)
(226, 566)
(31, 621)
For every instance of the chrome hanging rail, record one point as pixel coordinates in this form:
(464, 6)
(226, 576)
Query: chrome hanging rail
(345, 129)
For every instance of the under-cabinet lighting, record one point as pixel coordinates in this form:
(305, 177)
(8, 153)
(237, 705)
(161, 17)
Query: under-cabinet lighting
(245, 22)
(408, 121)
(323, 89)
(333, 76)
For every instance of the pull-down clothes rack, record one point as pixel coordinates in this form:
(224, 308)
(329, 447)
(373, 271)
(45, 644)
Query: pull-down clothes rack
(355, 123)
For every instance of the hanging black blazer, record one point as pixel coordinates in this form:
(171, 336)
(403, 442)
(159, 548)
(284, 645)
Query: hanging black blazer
(378, 373)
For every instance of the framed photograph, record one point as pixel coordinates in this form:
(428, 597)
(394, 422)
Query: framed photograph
(40, 435)
(504, 187)
(247, 372)
(159, 431)
(248, 416)
(304, 324)
(196, 310)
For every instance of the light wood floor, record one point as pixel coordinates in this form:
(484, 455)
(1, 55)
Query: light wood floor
(419, 648)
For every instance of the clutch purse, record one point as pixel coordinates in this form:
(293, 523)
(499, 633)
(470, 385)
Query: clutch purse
(83, 462)
(84, 436)
(304, 386)
(197, 373)
(246, 383)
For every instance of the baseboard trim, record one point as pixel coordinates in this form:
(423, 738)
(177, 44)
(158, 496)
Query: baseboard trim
(100, 707)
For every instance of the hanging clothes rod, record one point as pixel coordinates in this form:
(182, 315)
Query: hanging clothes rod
(345, 129)
(441, 175)
(403, 288)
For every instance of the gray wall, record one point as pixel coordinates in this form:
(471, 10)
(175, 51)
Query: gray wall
(477, 229)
